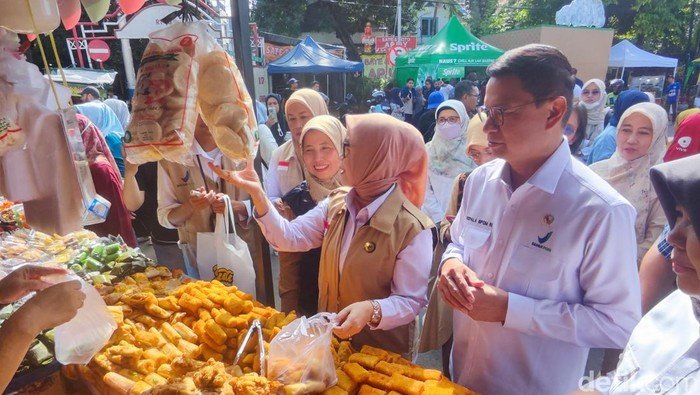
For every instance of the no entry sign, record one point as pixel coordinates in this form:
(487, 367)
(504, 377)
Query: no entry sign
(393, 52)
(99, 50)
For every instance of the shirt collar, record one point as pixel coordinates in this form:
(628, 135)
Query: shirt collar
(198, 150)
(371, 208)
(547, 176)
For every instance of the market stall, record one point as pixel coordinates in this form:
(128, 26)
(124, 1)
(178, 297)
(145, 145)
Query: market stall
(625, 55)
(446, 55)
(144, 329)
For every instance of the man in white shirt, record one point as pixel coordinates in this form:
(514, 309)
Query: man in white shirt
(543, 261)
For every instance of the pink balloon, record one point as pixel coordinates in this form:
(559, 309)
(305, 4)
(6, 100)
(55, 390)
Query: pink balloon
(70, 12)
(130, 6)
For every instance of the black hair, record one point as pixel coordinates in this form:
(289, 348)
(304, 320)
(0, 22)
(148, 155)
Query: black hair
(315, 82)
(543, 71)
(464, 88)
(410, 79)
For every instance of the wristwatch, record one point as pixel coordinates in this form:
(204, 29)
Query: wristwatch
(376, 313)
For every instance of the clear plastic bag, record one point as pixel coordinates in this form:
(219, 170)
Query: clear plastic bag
(165, 104)
(300, 355)
(79, 339)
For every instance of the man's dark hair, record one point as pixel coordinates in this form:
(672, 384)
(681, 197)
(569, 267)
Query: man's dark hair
(463, 88)
(315, 83)
(409, 80)
(543, 71)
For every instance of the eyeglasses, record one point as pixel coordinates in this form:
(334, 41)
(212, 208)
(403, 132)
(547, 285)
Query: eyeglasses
(346, 145)
(450, 120)
(497, 114)
(590, 93)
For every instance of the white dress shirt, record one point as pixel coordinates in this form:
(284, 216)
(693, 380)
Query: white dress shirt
(438, 193)
(663, 354)
(563, 246)
(409, 287)
(167, 199)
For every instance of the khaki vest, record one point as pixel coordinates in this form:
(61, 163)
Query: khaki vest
(294, 174)
(369, 265)
(187, 178)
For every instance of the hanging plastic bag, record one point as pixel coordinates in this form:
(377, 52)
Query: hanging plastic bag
(224, 102)
(79, 339)
(164, 106)
(224, 256)
(300, 355)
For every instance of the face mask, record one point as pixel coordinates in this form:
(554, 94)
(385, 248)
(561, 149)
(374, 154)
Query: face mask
(591, 106)
(449, 131)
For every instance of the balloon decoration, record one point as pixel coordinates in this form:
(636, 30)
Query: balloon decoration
(130, 6)
(96, 9)
(70, 12)
(173, 2)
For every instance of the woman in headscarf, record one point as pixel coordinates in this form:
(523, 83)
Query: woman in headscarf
(447, 156)
(275, 118)
(675, 322)
(322, 144)
(604, 146)
(108, 124)
(437, 327)
(376, 243)
(108, 183)
(641, 144)
(593, 97)
(428, 88)
(286, 172)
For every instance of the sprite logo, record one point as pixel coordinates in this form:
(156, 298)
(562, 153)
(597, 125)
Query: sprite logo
(468, 47)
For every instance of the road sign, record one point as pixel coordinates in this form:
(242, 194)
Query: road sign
(99, 50)
(393, 52)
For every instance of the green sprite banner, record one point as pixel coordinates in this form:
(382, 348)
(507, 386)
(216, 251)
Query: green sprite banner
(446, 55)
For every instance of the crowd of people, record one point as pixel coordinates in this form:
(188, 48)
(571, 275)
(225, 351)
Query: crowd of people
(533, 216)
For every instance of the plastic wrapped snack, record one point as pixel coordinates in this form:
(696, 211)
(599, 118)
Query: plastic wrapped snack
(225, 105)
(300, 355)
(165, 103)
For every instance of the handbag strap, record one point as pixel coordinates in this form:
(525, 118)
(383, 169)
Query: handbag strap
(229, 218)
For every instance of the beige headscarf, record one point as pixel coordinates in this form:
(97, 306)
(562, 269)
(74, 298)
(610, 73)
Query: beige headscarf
(313, 101)
(596, 111)
(475, 133)
(631, 178)
(336, 132)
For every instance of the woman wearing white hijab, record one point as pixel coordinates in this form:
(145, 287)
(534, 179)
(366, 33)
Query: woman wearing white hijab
(593, 98)
(641, 144)
(447, 157)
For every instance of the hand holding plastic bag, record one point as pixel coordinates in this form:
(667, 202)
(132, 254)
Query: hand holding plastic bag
(300, 355)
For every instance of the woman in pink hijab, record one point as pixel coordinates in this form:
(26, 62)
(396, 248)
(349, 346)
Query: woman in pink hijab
(376, 243)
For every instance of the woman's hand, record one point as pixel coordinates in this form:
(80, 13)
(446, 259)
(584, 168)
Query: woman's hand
(51, 307)
(24, 280)
(352, 319)
(201, 199)
(246, 179)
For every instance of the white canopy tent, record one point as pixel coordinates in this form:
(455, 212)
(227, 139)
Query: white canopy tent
(626, 55)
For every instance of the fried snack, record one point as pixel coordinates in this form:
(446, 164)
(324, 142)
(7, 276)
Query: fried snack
(165, 370)
(161, 339)
(156, 356)
(190, 303)
(208, 353)
(118, 383)
(186, 333)
(171, 351)
(147, 339)
(309, 387)
(335, 391)
(170, 333)
(445, 386)
(378, 352)
(366, 360)
(345, 351)
(420, 374)
(207, 340)
(379, 380)
(139, 388)
(356, 372)
(405, 385)
(252, 384)
(145, 366)
(188, 348)
(155, 379)
(214, 331)
(157, 311)
(345, 382)
(369, 390)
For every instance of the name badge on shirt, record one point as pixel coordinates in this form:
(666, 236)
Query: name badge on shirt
(283, 165)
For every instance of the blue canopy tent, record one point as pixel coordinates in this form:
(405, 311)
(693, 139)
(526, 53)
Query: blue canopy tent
(308, 57)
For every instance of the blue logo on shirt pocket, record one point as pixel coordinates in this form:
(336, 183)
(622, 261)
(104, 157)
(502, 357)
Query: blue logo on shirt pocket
(544, 239)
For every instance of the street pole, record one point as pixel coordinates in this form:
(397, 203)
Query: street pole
(240, 16)
(398, 21)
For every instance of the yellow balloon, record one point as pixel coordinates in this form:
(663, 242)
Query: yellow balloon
(96, 9)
